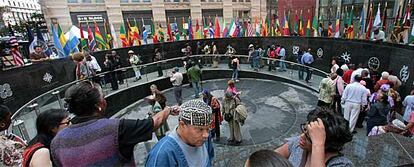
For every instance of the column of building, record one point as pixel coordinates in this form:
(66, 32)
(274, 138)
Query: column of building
(228, 11)
(196, 13)
(158, 13)
(58, 11)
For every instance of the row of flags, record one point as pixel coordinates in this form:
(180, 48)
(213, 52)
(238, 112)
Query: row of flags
(303, 25)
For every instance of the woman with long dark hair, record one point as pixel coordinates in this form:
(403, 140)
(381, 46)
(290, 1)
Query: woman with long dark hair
(214, 103)
(48, 124)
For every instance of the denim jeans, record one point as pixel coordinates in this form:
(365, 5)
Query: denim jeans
(196, 87)
(282, 65)
(235, 74)
(301, 72)
(256, 64)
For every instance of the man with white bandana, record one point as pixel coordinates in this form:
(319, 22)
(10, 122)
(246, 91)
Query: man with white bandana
(189, 144)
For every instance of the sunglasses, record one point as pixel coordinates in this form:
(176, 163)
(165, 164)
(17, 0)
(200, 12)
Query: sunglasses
(305, 131)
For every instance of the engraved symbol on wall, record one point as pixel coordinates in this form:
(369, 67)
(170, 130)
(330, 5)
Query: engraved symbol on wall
(5, 91)
(373, 63)
(47, 77)
(346, 57)
(295, 50)
(319, 52)
(404, 73)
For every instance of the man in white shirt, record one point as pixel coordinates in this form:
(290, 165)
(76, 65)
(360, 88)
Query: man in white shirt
(176, 79)
(353, 98)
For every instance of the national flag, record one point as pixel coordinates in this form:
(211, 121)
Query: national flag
(384, 17)
(257, 27)
(99, 38)
(406, 20)
(130, 37)
(211, 30)
(286, 31)
(73, 43)
(83, 40)
(169, 32)
(295, 23)
(315, 26)
(198, 34)
(369, 27)
(182, 27)
(397, 18)
(177, 31)
(232, 29)
(278, 27)
(153, 32)
(337, 24)
(57, 43)
(114, 39)
(308, 27)
(190, 29)
(107, 36)
(225, 29)
(351, 24)
(377, 21)
(161, 33)
(301, 21)
(250, 30)
(205, 28)
(17, 57)
(123, 36)
(217, 28)
(135, 32)
(63, 41)
(361, 23)
(31, 38)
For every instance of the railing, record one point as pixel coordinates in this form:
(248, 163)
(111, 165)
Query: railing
(25, 117)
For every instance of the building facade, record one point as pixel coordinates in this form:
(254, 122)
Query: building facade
(18, 10)
(329, 10)
(141, 12)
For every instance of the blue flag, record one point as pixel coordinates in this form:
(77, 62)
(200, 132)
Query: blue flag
(57, 46)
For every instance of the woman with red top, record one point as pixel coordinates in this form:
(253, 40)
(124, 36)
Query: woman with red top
(48, 124)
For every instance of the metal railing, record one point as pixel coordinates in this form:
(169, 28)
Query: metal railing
(24, 118)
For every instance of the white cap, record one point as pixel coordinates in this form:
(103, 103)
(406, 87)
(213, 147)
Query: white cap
(130, 52)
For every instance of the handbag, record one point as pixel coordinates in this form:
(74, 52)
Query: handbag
(228, 117)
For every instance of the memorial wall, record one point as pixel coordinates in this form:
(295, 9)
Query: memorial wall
(19, 86)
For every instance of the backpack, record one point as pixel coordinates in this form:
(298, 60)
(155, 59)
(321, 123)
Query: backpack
(241, 112)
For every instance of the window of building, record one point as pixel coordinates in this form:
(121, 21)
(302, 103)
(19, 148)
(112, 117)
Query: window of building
(176, 0)
(241, 0)
(99, 1)
(186, 0)
(86, 1)
(203, 0)
(146, 1)
(247, 0)
(135, 0)
(234, 1)
(211, 0)
(124, 1)
(72, 1)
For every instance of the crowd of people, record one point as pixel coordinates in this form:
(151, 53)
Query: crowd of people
(361, 94)
(349, 96)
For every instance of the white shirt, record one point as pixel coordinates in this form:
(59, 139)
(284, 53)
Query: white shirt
(354, 73)
(95, 64)
(334, 68)
(176, 79)
(345, 67)
(355, 93)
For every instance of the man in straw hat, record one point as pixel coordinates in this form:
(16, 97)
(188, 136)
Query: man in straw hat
(189, 144)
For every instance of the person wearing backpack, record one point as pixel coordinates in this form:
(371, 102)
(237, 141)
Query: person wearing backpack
(229, 106)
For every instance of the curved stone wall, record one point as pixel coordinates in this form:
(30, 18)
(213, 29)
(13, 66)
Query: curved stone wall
(383, 56)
